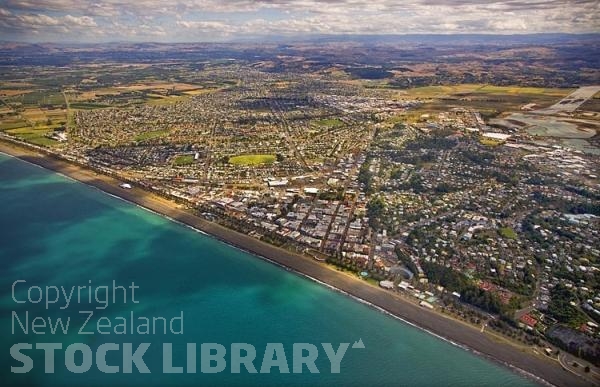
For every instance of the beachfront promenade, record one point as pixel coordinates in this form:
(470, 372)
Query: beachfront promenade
(432, 321)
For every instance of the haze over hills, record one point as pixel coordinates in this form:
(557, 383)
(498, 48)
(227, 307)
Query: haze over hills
(430, 39)
(561, 60)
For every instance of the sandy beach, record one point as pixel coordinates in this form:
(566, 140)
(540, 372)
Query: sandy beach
(547, 370)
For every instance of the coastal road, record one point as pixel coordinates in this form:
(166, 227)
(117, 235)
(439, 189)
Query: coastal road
(432, 321)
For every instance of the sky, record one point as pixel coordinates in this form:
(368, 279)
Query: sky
(226, 20)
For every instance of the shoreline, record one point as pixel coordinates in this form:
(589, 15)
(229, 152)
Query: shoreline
(539, 369)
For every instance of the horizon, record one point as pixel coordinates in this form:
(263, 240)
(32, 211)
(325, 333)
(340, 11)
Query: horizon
(328, 38)
(209, 21)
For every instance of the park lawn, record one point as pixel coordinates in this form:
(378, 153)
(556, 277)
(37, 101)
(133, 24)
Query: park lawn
(183, 160)
(151, 135)
(508, 233)
(489, 141)
(329, 122)
(252, 159)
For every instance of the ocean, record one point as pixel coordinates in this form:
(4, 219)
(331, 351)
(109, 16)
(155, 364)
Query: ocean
(57, 235)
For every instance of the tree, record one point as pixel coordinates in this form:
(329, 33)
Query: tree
(560, 306)
(375, 209)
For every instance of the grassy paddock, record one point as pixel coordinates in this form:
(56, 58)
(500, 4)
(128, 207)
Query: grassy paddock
(34, 136)
(13, 125)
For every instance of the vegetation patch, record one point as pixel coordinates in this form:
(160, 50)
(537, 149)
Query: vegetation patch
(13, 125)
(183, 160)
(330, 122)
(490, 141)
(252, 159)
(40, 97)
(168, 100)
(150, 135)
(33, 136)
(507, 232)
(88, 105)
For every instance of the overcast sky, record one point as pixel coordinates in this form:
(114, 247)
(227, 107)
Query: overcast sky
(218, 20)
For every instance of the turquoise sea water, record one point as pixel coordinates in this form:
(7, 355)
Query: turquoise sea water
(54, 231)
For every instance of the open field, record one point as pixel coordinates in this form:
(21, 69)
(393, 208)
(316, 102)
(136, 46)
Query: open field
(15, 85)
(518, 90)
(489, 141)
(158, 86)
(329, 122)
(482, 90)
(151, 93)
(12, 92)
(201, 91)
(489, 100)
(183, 160)
(34, 114)
(167, 100)
(252, 159)
(34, 136)
(13, 124)
(439, 91)
(151, 135)
(40, 97)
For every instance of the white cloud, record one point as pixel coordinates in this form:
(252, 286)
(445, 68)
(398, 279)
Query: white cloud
(204, 19)
(83, 21)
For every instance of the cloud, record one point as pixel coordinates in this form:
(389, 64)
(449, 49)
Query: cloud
(83, 21)
(213, 19)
